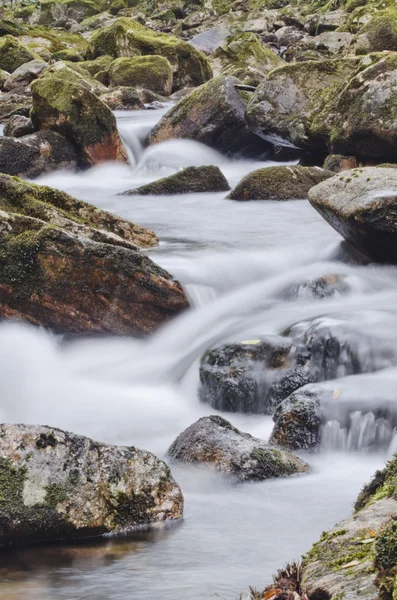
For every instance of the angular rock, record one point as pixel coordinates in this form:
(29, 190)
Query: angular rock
(127, 38)
(25, 74)
(214, 115)
(35, 154)
(14, 104)
(80, 116)
(62, 10)
(214, 441)
(279, 183)
(298, 422)
(189, 180)
(361, 205)
(337, 163)
(18, 126)
(209, 41)
(56, 485)
(150, 72)
(13, 53)
(123, 98)
(73, 73)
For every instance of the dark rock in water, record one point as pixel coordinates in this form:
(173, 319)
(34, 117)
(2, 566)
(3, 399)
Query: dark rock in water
(56, 485)
(298, 422)
(361, 205)
(35, 154)
(214, 441)
(209, 41)
(295, 378)
(189, 180)
(327, 286)
(213, 114)
(18, 126)
(25, 74)
(278, 183)
(237, 377)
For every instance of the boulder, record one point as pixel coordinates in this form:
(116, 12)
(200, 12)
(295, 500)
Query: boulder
(361, 205)
(150, 72)
(73, 73)
(63, 10)
(69, 55)
(56, 485)
(338, 162)
(298, 421)
(382, 33)
(18, 126)
(278, 183)
(189, 180)
(123, 98)
(13, 53)
(3, 78)
(34, 154)
(12, 103)
(8, 27)
(245, 57)
(214, 441)
(208, 41)
(127, 38)
(76, 113)
(326, 286)
(24, 75)
(99, 65)
(289, 35)
(214, 115)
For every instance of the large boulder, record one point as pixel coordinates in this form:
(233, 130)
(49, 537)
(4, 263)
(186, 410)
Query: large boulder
(245, 57)
(76, 113)
(214, 441)
(35, 154)
(214, 115)
(361, 205)
(189, 180)
(298, 421)
(24, 75)
(13, 53)
(73, 73)
(56, 485)
(279, 183)
(127, 38)
(150, 72)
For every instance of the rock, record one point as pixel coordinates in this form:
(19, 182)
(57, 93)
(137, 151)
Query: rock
(337, 163)
(122, 98)
(214, 441)
(73, 73)
(360, 205)
(127, 38)
(35, 154)
(14, 104)
(99, 65)
(24, 75)
(327, 286)
(209, 41)
(382, 33)
(298, 421)
(3, 78)
(330, 21)
(288, 35)
(151, 72)
(245, 57)
(238, 377)
(74, 278)
(57, 485)
(329, 43)
(80, 116)
(69, 54)
(74, 10)
(18, 126)
(213, 115)
(187, 181)
(13, 53)
(278, 183)
(8, 27)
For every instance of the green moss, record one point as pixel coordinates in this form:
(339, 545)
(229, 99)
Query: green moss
(18, 266)
(13, 53)
(382, 485)
(69, 54)
(335, 551)
(149, 72)
(382, 32)
(386, 546)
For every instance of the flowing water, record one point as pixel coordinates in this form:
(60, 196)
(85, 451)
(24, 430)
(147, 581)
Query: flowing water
(233, 259)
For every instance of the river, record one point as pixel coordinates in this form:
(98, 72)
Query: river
(232, 258)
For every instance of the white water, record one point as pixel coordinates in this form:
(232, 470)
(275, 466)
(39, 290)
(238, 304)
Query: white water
(235, 260)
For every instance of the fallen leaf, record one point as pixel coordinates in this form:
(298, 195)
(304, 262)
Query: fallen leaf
(336, 393)
(367, 541)
(251, 342)
(271, 594)
(353, 563)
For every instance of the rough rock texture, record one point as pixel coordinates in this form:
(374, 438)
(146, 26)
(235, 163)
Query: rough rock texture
(361, 205)
(213, 440)
(122, 98)
(338, 162)
(57, 485)
(298, 421)
(125, 37)
(73, 73)
(3, 78)
(24, 75)
(13, 53)
(14, 104)
(35, 154)
(214, 115)
(189, 180)
(80, 116)
(52, 11)
(278, 183)
(18, 126)
(150, 72)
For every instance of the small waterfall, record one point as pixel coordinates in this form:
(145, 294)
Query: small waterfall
(364, 431)
(132, 144)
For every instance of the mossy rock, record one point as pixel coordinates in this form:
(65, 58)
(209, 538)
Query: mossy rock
(298, 422)
(386, 546)
(4, 75)
(69, 54)
(127, 38)
(123, 98)
(13, 53)
(72, 73)
(382, 32)
(382, 485)
(149, 72)
(77, 10)
(56, 485)
(10, 28)
(279, 183)
(189, 180)
(41, 38)
(245, 57)
(99, 65)
(75, 112)
(116, 6)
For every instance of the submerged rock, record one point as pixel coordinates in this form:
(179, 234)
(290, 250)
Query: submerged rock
(213, 114)
(189, 180)
(298, 421)
(361, 205)
(56, 485)
(214, 441)
(76, 113)
(150, 72)
(278, 183)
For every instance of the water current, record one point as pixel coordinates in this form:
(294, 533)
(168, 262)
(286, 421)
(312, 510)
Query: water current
(233, 259)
